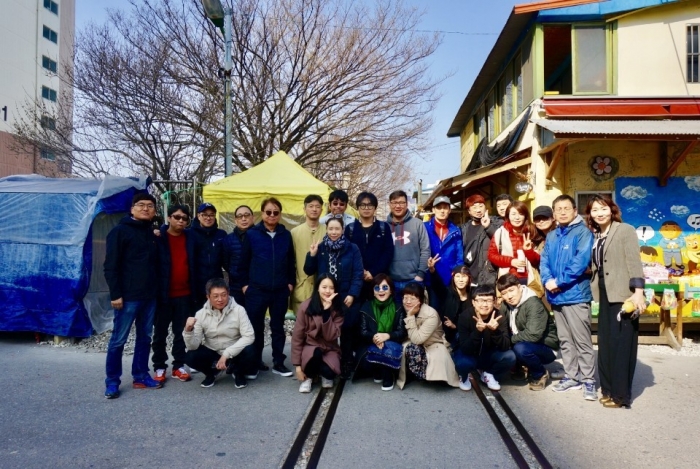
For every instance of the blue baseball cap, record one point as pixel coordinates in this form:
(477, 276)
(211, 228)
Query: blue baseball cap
(205, 206)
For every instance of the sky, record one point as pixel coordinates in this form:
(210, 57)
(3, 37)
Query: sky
(470, 27)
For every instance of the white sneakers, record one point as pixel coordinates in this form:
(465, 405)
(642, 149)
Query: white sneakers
(305, 386)
(465, 385)
(326, 383)
(490, 381)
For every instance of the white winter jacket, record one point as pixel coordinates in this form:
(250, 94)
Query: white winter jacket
(227, 332)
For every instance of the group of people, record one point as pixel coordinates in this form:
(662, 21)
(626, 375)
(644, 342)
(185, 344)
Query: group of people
(392, 301)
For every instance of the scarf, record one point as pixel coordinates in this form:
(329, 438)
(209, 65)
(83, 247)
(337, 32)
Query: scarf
(333, 248)
(384, 312)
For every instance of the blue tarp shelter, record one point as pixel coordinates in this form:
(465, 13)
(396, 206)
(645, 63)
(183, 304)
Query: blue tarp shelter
(47, 228)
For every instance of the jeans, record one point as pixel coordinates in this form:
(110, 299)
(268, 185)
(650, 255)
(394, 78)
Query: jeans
(175, 311)
(257, 302)
(141, 312)
(495, 362)
(204, 359)
(534, 357)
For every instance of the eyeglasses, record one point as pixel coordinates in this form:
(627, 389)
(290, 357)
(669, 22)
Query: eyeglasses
(365, 206)
(483, 301)
(272, 213)
(180, 217)
(379, 288)
(218, 296)
(145, 206)
(335, 215)
(563, 209)
(396, 203)
(409, 298)
(243, 215)
(207, 215)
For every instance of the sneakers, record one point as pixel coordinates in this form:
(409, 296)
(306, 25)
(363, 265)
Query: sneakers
(240, 381)
(490, 381)
(326, 383)
(388, 383)
(193, 371)
(208, 381)
(518, 374)
(566, 384)
(181, 374)
(112, 391)
(377, 377)
(148, 383)
(465, 385)
(253, 376)
(589, 392)
(346, 369)
(305, 386)
(541, 383)
(263, 367)
(160, 375)
(280, 369)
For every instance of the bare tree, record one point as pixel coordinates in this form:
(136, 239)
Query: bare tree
(338, 85)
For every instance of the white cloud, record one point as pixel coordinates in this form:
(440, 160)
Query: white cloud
(693, 182)
(680, 210)
(636, 192)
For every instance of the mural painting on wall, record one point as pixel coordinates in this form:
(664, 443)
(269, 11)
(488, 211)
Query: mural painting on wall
(666, 220)
(603, 168)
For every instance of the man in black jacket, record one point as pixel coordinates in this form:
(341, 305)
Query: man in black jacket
(484, 343)
(208, 251)
(131, 272)
(233, 247)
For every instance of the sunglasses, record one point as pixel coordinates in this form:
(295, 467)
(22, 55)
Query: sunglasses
(272, 213)
(180, 217)
(379, 288)
(243, 215)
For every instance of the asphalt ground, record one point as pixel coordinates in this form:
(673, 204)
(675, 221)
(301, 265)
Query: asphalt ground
(53, 413)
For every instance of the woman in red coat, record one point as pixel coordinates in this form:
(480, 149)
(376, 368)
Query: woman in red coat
(315, 349)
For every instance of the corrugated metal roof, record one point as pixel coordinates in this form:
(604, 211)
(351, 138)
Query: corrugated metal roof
(620, 127)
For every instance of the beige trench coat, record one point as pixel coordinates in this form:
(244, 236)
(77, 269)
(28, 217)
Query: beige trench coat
(425, 328)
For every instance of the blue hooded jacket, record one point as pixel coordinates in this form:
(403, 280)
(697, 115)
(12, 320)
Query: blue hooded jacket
(451, 249)
(566, 258)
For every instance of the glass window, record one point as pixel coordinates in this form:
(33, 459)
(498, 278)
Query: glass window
(693, 53)
(47, 155)
(518, 73)
(51, 6)
(50, 34)
(49, 64)
(492, 115)
(483, 130)
(48, 93)
(590, 59)
(507, 97)
(48, 123)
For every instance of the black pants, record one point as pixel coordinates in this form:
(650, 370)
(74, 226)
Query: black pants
(376, 370)
(175, 311)
(317, 366)
(617, 349)
(204, 360)
(258, 301)
(349, 333)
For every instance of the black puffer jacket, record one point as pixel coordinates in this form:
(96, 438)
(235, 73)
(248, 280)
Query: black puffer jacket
(208, 255)
(368, 327)
(131, 264)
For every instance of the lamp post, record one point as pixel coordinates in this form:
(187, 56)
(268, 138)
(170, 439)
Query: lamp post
(221, 17)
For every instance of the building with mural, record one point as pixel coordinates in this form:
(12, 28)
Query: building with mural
(582, 97)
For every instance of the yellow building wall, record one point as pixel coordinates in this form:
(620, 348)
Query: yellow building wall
(652, 51)
(467, 145)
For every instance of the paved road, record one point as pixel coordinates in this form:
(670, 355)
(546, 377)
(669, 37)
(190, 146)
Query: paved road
(53, 412)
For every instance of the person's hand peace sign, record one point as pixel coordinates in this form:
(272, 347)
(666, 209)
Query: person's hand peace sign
(313, 250)
(493, 322)
(527, 242)
(432, 261)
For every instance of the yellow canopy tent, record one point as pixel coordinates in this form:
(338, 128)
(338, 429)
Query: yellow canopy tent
(279, 176)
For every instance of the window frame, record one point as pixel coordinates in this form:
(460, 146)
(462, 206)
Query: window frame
(608, 30)
(50, 34)
(690, 53)
(49, 94)
(51, 6)
(49, 64)
(47, 122)
(47, 155)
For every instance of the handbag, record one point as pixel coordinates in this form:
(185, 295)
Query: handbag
(389, 355)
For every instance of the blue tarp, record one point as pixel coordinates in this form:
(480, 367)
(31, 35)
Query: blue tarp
(46, 248)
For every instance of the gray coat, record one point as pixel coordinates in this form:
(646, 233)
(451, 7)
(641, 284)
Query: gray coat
(622, 264)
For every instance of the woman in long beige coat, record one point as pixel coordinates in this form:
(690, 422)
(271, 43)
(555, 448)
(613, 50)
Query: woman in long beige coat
(426, 353)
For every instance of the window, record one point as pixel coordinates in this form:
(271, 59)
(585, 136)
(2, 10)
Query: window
(492, 115)
(47, 155)
(49, 64)
(51, 6)
(48, 93)
(693, 53)
(48, 123)
(50, 34)
(577, 59)
(518, 72)
(507, 97)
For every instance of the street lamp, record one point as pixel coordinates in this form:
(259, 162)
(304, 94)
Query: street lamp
(221, 17)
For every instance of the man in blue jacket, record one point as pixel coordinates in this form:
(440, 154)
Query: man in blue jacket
(563, 268)
(131, 273)
(446, 248)
(374, 239)
(232, 246)
(208, 251)
(267, 271)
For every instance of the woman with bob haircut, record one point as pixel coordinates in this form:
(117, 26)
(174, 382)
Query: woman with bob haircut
(617, 285)
(426, 354)
(315, 348)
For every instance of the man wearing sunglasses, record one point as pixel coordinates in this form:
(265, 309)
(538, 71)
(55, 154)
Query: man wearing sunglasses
(131, 272)
(175, 299)
(268, 274)
(337, 204)
(208, 251)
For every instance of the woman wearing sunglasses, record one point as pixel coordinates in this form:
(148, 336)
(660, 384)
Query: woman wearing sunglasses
(338, 257)
(381, 326)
